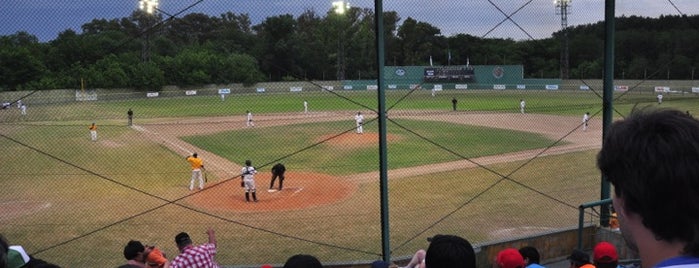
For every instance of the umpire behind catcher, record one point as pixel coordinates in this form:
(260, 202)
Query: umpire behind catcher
(277, 172)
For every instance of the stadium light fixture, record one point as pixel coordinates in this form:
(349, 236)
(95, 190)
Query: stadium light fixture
(341, 6)
(562, 9)
(148, 6)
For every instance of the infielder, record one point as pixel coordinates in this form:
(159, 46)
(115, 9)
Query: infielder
(249, 172)
(197, 166)
(305, 107)
(521, 105)
(359, 119)
(586, 118)
(93, 131)
(660, 98)
(249, 122)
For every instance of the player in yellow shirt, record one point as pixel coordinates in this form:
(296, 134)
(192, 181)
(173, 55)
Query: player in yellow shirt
(197, 167)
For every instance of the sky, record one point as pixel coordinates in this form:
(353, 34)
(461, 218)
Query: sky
(530, 19)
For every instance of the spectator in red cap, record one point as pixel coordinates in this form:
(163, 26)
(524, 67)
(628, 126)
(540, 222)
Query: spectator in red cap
(509, 258)
(604, 255)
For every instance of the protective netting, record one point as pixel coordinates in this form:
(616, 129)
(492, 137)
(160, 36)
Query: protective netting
(484, 102)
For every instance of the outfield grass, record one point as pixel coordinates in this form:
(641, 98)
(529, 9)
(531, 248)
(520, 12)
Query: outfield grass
(549, 102)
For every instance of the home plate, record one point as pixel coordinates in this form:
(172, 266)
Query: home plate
(271, 190)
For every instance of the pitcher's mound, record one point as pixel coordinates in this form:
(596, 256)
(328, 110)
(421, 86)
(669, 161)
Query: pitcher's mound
(301, 190)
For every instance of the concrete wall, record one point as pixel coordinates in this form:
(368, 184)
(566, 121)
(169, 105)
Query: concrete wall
(553, 247)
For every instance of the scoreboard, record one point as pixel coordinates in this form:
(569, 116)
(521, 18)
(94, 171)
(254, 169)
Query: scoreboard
(449, 74)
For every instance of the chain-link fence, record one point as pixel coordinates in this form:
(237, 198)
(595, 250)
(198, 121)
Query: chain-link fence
(475, 129)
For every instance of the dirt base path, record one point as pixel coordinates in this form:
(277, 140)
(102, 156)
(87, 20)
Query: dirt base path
(301, 193)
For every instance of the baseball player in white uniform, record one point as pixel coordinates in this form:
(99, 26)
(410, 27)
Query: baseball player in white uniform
(249, 172)
(305, 107)
(359, 119)
(249, 122)
(521, 106)
(660, 98)
(586, 118)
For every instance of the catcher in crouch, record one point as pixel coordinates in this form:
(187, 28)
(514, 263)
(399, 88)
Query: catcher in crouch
(248, 173)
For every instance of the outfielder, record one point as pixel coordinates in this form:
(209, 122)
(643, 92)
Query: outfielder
(197, 166)
(249, 172)
(359, 119)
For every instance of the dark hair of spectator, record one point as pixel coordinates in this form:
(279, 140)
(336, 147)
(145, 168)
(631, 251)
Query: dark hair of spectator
(652, 159)
(447, 251)
(530, 254)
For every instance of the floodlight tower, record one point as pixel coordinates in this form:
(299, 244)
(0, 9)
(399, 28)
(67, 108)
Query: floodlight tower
(340, 7)
(149, 7)
(562, 9)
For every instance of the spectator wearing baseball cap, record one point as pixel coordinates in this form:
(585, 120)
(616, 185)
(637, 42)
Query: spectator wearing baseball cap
(509, 258)
(531, 257)
(580, 259)
(604, 255)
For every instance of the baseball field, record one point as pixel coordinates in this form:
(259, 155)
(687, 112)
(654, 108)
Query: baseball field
(485, 172)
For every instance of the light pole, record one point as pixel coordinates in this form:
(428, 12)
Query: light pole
(149, 7)
(562, 9)
(340, 7)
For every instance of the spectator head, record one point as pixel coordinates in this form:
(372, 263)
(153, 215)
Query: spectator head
(530, 255)
(182, 240)
(578, 258)
(302, 261)
(604, 255)
(509, 258)
(652, 160)
(134, 251)
(155, 258)
(447, 251)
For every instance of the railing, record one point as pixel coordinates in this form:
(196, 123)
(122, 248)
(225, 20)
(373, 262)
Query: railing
(581, 217)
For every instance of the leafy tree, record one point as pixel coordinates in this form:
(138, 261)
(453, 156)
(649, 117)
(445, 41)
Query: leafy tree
(277, 46)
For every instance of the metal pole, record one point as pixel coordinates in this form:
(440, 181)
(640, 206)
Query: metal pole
(383, 156)
(581, 217)
(607, 96)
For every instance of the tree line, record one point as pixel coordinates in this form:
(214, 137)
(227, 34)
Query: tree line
(145, 51)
